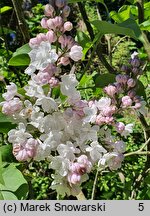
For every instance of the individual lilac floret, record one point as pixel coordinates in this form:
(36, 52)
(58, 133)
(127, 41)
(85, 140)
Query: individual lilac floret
(11, 107)
(112, 159)
(68, 26)
(110, 90)
(49, 10)
(66, 11)
(60, 3)
(126, 101)
(11, 91)
(26, 150)
(120, 126)
(76, 53)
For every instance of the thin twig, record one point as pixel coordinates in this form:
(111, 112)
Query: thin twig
(140, 151)
(94, 184)
(118, 42)
(21, 20)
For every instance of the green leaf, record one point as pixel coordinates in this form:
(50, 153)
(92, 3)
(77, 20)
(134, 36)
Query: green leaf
(102, 80)
(19, 60)
(5, 124)
(6, 153)
(21, 57)
(5, 9)
(107, 28)
(7, 195)
(123, 14)
(1, 177)
(147, 10)
(84, 41)
(145, 25)
(141, 90)
(86, 79)
(22, 192)
(25, 49)
(131, 24)
(16, 186)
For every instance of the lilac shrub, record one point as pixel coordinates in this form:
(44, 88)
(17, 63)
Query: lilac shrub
(73, 134)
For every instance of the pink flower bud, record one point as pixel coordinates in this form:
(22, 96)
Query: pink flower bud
(76, 53)
(51, 36)
(50, 24)
(53, 82)
(126, 101)
(121, 78)
(85, 164)
(75, 167)
(131, 83)
(33, 42)
(44, 23)
(109, 120)
(109, 111)
(66, 42)
(41, 37)
(12, 106)
(124, 68)
(64, 61)
(91, 103)
(135, 70)
(137, 99)
(74, 178)
(60, 3)
(110, 90)
(119, 87)
(131, 93)
(135, 62)
(100, 119)
(137, 105)
(68, 26)
(41, 78)
(120, 127)
(58, 22)
(51, 69)
(49, 10)
(66, 11)
(26, 150)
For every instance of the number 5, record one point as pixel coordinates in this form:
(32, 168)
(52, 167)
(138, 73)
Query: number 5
(141, 206)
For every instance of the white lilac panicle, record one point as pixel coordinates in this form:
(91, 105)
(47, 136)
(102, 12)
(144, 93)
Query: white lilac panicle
(65, 132)
(41, 56)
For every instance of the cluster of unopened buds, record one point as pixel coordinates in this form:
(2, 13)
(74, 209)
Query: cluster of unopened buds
(66, 131)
